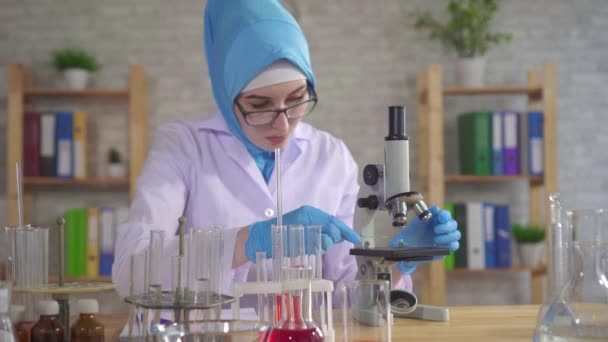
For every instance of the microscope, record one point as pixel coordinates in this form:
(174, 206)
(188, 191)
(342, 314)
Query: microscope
(387, 188)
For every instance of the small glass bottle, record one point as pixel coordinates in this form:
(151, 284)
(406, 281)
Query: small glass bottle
(48, 328)
(87, 328)
(21, 328)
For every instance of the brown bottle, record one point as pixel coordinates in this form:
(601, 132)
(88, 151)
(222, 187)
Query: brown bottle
(20, 326)
(48, 328)
(87, 328)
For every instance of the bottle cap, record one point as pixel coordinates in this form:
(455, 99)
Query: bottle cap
(17, 313)
(87, 306)
(4, 300)
(48, 307)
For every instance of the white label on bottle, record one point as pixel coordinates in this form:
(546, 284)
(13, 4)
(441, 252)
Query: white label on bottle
(3, 300)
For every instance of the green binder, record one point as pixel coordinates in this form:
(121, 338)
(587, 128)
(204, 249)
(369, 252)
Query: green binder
(449, 260)
(76, 242)
(475, 143)
(460, 215)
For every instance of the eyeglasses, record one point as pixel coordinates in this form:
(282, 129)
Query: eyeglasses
(266, 116)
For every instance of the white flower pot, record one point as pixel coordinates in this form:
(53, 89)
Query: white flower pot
(531, 254)
(117, 170)
(470, 72)
(76, 78)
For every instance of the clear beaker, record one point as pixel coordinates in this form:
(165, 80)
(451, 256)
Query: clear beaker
(578, 311)
(365, 312)
(210, 331)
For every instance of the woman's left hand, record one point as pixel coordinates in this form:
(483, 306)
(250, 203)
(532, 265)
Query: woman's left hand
(439, 231)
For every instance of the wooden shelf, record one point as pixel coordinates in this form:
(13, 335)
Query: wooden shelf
(514, 269)
(486, 179)
(516, 90)
(81, 182)
(73, 92)
(101, 279)
(540, 92)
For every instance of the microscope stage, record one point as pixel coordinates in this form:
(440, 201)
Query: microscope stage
(401, 253)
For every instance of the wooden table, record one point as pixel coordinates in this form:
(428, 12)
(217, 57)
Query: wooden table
(511, 323)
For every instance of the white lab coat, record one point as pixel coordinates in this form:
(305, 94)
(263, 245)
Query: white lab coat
(200, 170)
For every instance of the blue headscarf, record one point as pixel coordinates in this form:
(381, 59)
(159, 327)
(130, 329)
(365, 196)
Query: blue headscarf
(242, 38)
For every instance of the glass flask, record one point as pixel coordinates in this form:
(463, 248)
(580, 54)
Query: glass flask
(296, 323)
(578, 310)
(559, 236)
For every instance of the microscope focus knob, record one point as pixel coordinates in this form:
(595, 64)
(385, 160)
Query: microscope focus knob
(371, 202)
(371, 174)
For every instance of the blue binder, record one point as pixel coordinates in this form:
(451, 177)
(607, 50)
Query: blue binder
(489, 235)
(502, 226)
(535, 143)
(64, 145)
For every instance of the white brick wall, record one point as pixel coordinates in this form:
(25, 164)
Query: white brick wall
(365, 56)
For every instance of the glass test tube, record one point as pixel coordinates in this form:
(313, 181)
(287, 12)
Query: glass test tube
(21, 248)
(277, 164)
(200, 253)
(261, 276)
(314, 250)
(139, 286)
(31, 256)
(157, 240)
(44, 256)
(215, 259)
(297, 245)
(178, 277)
(138, 265)
(279, 260)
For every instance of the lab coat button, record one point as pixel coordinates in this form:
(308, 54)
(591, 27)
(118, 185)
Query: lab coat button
(269, 212)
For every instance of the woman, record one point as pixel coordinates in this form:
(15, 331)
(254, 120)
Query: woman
(221, 170)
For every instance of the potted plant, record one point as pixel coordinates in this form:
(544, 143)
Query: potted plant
(530, 241)
(467, 33)
(76, 65)
(116, 166)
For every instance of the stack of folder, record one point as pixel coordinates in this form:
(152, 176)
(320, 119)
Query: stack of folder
(486, 236)
(90, 237)
(55, 144)
(501, 143)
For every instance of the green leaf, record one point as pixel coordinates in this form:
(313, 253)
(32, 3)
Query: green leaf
(74, 58)
(528, 233)
(467, 32)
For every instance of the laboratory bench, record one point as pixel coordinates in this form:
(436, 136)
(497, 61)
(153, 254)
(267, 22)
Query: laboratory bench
(511, 323)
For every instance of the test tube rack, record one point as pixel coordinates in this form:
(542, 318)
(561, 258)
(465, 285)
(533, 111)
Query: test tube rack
(196, 287)
(61, 290)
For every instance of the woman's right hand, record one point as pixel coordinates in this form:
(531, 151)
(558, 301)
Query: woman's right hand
(332, 231)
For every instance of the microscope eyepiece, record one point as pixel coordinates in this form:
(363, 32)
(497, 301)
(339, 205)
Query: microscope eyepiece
(396, 123)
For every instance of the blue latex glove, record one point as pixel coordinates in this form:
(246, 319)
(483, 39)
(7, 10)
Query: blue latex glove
(333, 230)
(440, 231)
